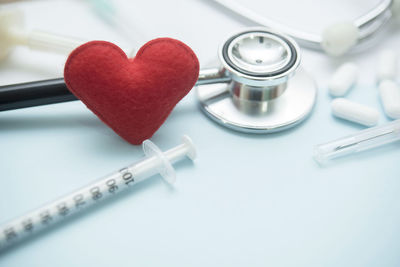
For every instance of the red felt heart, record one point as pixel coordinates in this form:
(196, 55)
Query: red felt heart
(132, 96)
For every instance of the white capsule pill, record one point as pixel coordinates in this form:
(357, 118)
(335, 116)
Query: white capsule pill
(354, 112)
(387, 65)
(390, 98)
(343, 79)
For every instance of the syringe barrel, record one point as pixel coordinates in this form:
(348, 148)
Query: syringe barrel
(47, 215)
(363, 140)
(39, 219)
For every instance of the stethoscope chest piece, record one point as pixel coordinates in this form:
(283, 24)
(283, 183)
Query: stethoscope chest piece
(259, 88)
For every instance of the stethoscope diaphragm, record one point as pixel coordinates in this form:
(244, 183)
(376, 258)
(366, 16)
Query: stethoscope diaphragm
(259, 87)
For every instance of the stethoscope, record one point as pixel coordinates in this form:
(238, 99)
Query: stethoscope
(336, 39)
(258, 88)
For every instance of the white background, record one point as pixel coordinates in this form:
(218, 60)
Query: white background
(246, 201)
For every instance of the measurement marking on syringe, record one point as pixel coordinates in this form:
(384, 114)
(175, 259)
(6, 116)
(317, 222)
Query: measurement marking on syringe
(127, 176)
(112, 186)
(28, 225)
(96, 194)
(62, 209)
(79, 201)
(10, 233)
(46, 215)
(66, 206)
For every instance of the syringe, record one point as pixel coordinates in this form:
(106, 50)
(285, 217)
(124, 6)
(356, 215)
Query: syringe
(41, 218)
(363, 140)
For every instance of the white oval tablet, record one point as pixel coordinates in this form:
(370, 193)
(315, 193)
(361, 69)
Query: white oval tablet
(387, 65)
(354, 112)
(390, 98)
(343, 79)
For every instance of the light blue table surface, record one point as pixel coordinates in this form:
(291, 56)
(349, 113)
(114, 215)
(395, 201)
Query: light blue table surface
(247, 200)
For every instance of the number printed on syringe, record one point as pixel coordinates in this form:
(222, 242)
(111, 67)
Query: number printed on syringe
(67, 205)
(110, 185)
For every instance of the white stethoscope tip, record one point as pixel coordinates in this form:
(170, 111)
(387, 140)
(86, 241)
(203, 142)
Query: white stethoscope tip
(339, 38)
(12, 33)
(9, 20)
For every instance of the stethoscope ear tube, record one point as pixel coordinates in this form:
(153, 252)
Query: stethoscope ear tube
(367, 25)
(39, 93)
(32, 94)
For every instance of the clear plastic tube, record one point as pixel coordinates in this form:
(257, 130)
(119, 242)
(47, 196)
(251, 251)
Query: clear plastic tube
(363, 140)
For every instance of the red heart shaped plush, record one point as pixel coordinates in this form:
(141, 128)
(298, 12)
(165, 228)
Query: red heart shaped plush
(132, 96)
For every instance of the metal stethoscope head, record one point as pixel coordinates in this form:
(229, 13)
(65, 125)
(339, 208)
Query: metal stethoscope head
(259, 58)
(259, 86)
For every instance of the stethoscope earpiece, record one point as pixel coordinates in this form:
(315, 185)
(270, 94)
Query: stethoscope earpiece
(9, 19)
(259, 87)
(359, 32)
(339, 38)
(13, 34)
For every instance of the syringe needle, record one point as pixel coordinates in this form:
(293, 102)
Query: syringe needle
(338, 148)
(360, 141)
(363, 140)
